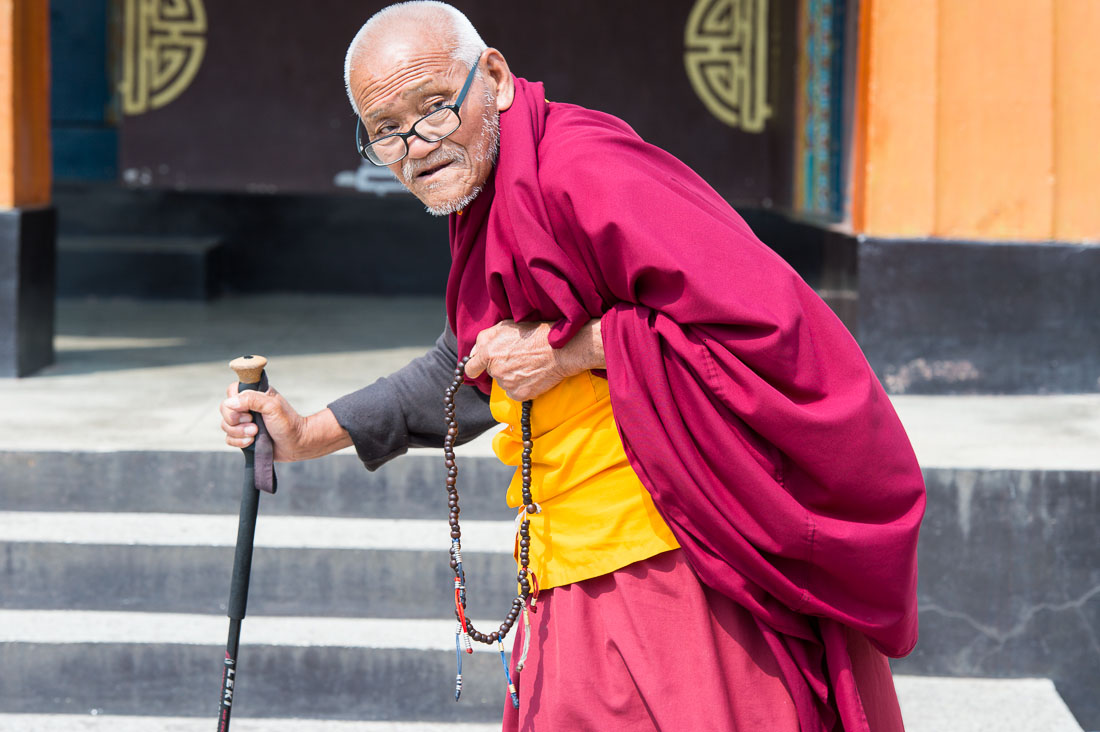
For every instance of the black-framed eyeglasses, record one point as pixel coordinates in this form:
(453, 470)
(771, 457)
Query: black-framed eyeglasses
(432, 127)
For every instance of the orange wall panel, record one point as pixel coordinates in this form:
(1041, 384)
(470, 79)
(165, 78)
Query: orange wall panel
(1077, 120)
(995, 162)
(7, 103)
(24, 103)
(894, 172)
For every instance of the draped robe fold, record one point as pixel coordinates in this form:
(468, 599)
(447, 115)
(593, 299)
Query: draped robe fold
(745, 406)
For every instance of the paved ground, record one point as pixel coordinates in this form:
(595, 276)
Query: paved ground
(928, 705)
(146, 375)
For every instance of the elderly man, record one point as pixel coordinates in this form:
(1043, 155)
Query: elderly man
(729, 506)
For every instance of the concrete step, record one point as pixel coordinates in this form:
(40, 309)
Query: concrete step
(72, 662)
(386, 568)
(209, 482)
(1008, 585)
(284, 532)
(940, 704)
(108, 723)
(132, 628)
(1009, 580)
(929, 704)
(140, 266)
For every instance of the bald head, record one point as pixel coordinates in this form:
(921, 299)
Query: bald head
(399, 31)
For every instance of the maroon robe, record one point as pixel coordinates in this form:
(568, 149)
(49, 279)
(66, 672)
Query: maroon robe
(745, 406)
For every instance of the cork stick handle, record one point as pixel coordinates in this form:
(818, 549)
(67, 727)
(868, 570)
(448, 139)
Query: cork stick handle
(248, 368)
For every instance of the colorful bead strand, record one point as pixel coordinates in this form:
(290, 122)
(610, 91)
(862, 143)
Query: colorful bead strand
(524, 577)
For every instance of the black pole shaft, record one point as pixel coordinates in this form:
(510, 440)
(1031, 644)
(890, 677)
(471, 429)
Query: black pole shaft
(238, 586)
(229, 675)
(246, 533)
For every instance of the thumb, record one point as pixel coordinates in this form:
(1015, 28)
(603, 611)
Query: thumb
(475, 367)
(252, 401)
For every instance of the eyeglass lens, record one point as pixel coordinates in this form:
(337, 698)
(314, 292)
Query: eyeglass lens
(432, 128)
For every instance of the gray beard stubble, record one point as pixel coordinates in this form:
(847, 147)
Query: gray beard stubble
(490, 137)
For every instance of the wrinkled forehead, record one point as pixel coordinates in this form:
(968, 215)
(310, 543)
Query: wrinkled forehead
(397, 68)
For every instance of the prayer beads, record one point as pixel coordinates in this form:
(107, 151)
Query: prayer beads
(524, 578)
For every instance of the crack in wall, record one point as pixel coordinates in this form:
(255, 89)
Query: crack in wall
(1019, 628)
(1093, 639)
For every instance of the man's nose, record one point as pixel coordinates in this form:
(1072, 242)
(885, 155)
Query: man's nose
(419, 148)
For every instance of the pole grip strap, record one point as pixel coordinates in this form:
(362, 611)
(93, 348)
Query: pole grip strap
(265, 479)
(262, 448)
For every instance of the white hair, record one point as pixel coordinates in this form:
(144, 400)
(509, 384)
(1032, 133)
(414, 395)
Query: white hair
(439, 18)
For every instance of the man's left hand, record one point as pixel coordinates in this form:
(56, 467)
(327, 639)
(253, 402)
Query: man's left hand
(519, 358)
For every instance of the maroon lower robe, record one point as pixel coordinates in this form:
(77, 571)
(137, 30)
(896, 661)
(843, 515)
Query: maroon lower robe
(648, 647)
(744, 405)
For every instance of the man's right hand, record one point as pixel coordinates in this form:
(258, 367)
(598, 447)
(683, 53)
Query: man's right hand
(295, 437)
(283, 423)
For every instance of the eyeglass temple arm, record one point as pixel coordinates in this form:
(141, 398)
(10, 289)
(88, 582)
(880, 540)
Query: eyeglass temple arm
(466, 86)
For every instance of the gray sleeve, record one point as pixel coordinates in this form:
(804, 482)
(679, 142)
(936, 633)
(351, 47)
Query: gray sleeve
(405, 409)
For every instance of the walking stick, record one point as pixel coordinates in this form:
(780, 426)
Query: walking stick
(258, 475)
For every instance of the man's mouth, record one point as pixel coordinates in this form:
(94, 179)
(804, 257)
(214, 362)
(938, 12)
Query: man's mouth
(428, 172)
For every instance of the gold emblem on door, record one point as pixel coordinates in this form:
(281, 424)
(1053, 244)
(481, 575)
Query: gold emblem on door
(162, 49)
(726, 57)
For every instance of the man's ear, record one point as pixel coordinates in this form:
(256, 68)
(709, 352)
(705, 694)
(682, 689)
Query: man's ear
(499, 78)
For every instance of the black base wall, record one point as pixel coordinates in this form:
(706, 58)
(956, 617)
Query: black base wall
(937, 316)
(957, 317)
(28, 251)
(350, 244)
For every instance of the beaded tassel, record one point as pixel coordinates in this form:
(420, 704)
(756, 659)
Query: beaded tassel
(460, 575)
(524, 577)
(458, 656)
(526, 637)
(508, 676)
(460, 612)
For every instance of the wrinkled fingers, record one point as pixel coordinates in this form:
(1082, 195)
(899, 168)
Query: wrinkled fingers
(243, 429)
(237, 426)
(233, 415)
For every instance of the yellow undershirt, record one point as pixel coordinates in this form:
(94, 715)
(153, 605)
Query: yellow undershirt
(596, 515)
